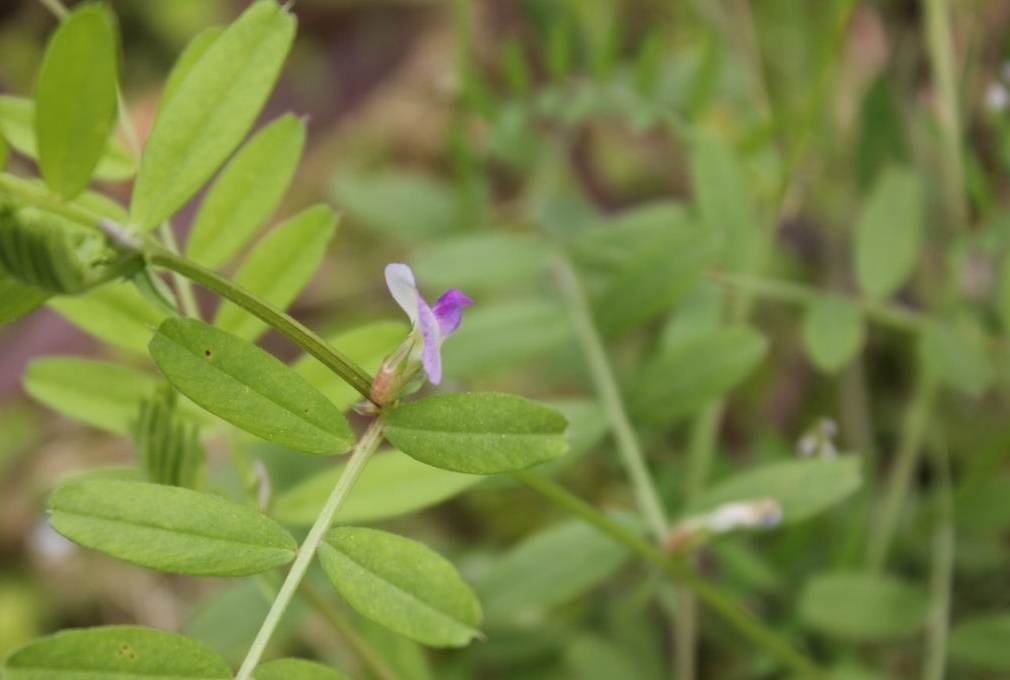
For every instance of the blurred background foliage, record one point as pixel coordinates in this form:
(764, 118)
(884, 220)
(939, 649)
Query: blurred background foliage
(472, 140)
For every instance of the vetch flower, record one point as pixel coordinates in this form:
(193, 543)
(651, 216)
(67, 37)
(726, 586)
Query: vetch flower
(431, 326)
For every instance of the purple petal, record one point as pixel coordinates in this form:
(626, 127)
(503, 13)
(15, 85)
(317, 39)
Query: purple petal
(431, 336)
(448, 310)
(400, 280)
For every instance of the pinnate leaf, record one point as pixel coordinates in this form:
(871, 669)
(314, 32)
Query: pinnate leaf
(833, 332)
(169, 528)
(477, 432)
(955, 358)
(121, 652)
(279, 267)
(251, 389)
(862, 606)
(75, 98)
(401, 584)
(210, 111)
(247, 191)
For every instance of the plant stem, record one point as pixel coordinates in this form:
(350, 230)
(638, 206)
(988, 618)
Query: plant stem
(34, 193)
(937, 627)
(186, 298)
(938, 39)
(912, 433)
(360, 647)
(307, 551)
(299, 333)
(605, 383)
(721, 604)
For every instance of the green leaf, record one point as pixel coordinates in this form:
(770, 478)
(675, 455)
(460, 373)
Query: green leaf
(17, 298)
(725, 201)
(481, 261)
(121, 652)
(803, 488)
(477, 432)
(366, 345)
(550, 567)
(888, 233)
(115, 313)
(650, 257)
(497, 337)
(862, 606)
(17, 121)
(684, 377)
(982, 642)
(5, 153)
(593, 658)
(392, 484)
(247, 191)
(210, 111)
(100, 393)
(399, 204)
(75, 97)
(251, 389)
(279, 267)
(401, 584)
(833, 332)
(296, 669)
(191, 54)
(169, 528)
(958, 361)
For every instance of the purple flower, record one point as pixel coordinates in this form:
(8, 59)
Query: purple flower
(434, 323)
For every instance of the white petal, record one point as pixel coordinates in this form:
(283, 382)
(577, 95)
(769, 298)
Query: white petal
(400, 280)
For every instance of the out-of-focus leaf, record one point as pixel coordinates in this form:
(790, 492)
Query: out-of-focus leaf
(392, 484)
(246, 192)
(803, 488)
(681, 379)
(100, 393)
(862, 606)
(115, 313)
(982, 642)
(481, 261)
(888, 233)
(210, 111)
(833, 332)
(478, 433)
(75, 97)
(401, 584)
(1003, 294)
(17, 298)
(121, 652)
(399, 204)
(495, 337)
(251, 389)
(725, 201)
(593, 658)
(958, 361)
(550, 567)
(279, 267)
(296, 669)
(169, 528)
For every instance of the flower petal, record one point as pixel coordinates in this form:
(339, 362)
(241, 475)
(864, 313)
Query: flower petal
(431, 336)
(448, 310)
(400, 280)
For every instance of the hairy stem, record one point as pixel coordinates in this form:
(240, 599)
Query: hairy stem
(711, 596)
(354, 375)
(307, 551)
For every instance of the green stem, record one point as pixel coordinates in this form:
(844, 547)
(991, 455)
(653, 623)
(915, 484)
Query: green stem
(610, 395)
(718, 602)
(369, 659)
(899, 318)
(941, 578)
(307, 551)
(186, 297)
(913, 431)
(939, 40)
(254, 304)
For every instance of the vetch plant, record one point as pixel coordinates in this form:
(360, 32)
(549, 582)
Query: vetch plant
(616, 418)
